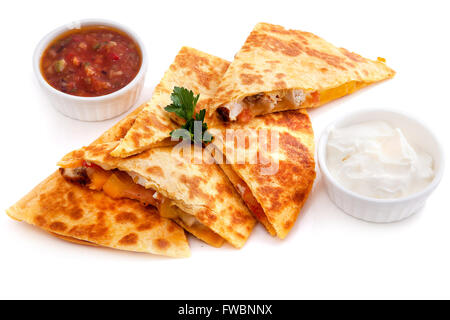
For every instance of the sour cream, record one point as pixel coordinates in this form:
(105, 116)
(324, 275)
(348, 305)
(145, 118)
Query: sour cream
(376, 160)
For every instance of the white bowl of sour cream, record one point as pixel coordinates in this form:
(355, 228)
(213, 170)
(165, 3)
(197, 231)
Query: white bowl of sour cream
(379, 165)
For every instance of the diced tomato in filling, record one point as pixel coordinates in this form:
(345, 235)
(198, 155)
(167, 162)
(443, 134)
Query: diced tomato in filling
(91, 61)
(87, 164)
(313, 98)
(245, 116)
(252, 204)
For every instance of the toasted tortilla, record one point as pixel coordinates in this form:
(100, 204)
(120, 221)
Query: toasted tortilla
(83, 215)
(192, 69)
(31, 208)
(119, 130)
(74, 240)
(274, 60)
(280, 189)
(199, 189)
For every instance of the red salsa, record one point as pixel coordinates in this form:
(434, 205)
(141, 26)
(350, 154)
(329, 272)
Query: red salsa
(91, 61)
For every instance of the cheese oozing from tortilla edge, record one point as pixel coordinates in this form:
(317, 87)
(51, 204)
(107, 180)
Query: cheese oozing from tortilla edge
(262, 103)
(116, 185)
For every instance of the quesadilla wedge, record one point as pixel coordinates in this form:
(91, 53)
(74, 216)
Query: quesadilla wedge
(101, 222)
(85, 216)
(279, 69)
(198, 196)
(270, 161)
(196, 70)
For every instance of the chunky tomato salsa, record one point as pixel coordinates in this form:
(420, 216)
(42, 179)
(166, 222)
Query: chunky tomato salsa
(91, 61)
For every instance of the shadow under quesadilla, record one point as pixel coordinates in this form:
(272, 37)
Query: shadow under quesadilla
(279, 69)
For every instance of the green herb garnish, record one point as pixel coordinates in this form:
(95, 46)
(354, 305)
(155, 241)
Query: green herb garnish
(183, 105)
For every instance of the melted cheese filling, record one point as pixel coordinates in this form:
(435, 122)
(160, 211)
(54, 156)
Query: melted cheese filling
(118, 184)
(263, 103)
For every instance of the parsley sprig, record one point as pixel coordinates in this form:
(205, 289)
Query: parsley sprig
(183, 105)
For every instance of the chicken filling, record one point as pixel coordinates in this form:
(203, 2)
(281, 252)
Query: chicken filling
(118, 184)
(263, 103)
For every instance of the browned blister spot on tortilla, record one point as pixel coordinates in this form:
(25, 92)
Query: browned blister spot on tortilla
(162, 244)
(126, 217)
(149, 123)
(288, 224)
(272, 193)
(155, 170)
(299, 196)
(92, 232)
(171, 228)
(270, 43)
(40, 221)
(280, 84)
(224, 189)
(333, 60)
(293, 120)
(101, 216)
(194, 187)
(98, 149)
(295, 148)
(145, 226)
(129, 239)
(206, 217)
(74, 212)
(247, 79)
(300, 35)
(199, 65)
(136, 138)
(352, 56)
(247, 66)
(239, 218)
(78, 154)
(58, 226)
(58, 201)
(105, 206)
(240, 235)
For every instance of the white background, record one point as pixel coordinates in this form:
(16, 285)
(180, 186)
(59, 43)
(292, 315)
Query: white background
(327, 255)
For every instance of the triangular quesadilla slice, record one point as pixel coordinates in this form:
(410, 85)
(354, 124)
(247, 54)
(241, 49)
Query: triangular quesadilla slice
(270, 161)
(149, 227)
(279, 69)
(197, 195)
(192, 69)
(81, 215)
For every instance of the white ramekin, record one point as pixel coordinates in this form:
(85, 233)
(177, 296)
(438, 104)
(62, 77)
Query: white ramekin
(382, 210)
(91, 108)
